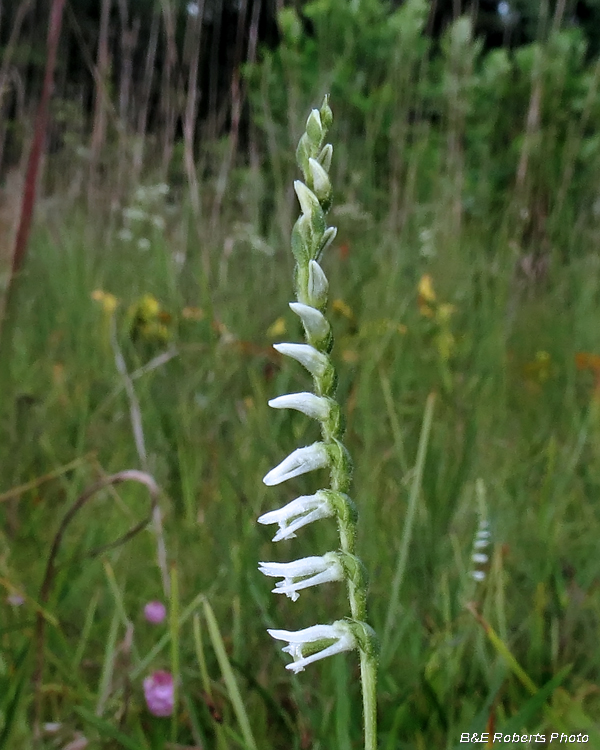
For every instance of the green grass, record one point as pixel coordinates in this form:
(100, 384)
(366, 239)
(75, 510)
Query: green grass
(533, 440)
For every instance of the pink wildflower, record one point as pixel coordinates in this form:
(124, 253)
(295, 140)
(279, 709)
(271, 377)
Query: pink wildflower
(159, 693)
(155, 612)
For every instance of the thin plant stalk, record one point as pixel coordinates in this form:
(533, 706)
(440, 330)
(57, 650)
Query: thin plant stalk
(409, 522)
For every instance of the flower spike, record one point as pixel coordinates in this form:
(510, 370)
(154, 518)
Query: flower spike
(310, 238)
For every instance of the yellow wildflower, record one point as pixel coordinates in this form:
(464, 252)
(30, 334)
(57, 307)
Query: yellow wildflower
(277, 328)
(426, 296)
(148, 307)
(108, 301)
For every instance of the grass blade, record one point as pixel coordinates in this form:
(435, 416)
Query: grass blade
(228, 676)
(408, 524)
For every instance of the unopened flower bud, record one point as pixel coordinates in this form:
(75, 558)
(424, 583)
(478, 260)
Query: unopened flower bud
(314, 128)
(318, 286)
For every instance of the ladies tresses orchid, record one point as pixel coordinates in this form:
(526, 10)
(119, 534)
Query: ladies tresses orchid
(300, 574)
(315, 323)
(333, 639)
(300, 512)
(315, 362)
(310, 238)
(299, 462)
(317, 407)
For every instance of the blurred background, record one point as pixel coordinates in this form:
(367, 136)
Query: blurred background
(139, 318)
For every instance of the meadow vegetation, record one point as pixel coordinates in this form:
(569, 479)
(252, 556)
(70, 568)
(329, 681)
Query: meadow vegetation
(464, 301)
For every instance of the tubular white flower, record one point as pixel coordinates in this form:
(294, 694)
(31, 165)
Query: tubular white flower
(314, 322)
(301, 461)
(300, 512)
(313, 406)
(309, 357)
(318, 286)
(301, 574)
(479, 558)
(304, 641)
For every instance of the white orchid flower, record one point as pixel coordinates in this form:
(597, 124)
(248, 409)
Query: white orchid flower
(315, 323)
(313, 406)
(303, 573)
(301, 461)
(338, 635)
(315, 362)
(300, 512)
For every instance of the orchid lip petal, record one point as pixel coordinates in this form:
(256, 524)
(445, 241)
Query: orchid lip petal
(301, 461)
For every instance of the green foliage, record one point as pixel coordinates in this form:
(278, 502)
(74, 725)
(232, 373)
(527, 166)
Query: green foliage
(462, 114)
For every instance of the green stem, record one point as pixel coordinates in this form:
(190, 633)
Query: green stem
(357, 597)
(368, 678)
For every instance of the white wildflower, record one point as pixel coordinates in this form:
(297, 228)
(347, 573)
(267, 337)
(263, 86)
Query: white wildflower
(301, 461)
(314, 322)
(300, 512)
(338, 635)
(309, 357)
(303, 573)
(313, 406)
